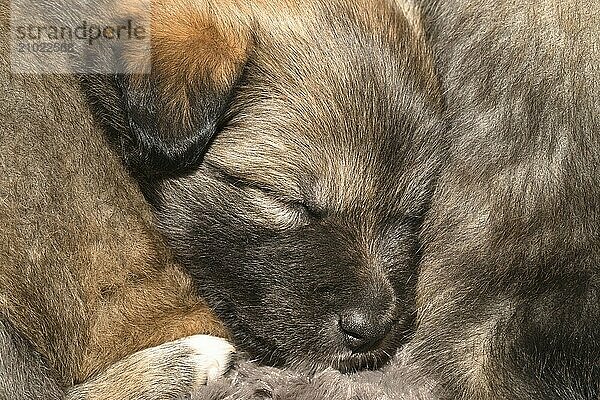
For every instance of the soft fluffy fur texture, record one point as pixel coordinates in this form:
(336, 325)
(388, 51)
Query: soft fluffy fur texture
(299, 219)
(85, 278)
(509, 285)
(250, 381)
(508, 289)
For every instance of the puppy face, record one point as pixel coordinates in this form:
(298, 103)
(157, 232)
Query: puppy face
(299, 219)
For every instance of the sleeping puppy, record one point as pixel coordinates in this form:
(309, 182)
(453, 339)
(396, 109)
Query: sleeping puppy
(85, 281)
(289, 149)
(509, 285)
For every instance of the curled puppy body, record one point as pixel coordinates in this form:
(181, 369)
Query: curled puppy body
(85, 280)
(508, 290)
(171, 370)
(167, 371)
(289, 150)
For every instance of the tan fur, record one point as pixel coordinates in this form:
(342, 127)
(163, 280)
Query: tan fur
(318, 135)
(84, 277)
(263, 153)
(206, 41)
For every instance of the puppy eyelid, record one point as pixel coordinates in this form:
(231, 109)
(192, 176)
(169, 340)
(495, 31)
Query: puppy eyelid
(312, 210)
(236, 181)
(228, 178)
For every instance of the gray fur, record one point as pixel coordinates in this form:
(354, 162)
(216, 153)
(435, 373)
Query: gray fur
(250, 381)
(20, 379)
(322, 150)
(508, 292)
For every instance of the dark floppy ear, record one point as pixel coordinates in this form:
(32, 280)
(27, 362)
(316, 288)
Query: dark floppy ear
(161, 122)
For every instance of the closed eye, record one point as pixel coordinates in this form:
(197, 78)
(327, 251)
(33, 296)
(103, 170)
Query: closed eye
(287, 211)
(244, 183)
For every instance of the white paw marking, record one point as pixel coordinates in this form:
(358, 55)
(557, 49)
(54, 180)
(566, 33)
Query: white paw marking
(211, 355)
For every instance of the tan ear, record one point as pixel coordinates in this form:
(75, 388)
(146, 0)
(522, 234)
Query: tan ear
(162, 121)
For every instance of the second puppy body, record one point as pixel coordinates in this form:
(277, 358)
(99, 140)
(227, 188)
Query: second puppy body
(510, 281)
(89, 292)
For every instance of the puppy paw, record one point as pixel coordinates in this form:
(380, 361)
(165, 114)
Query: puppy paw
(171, 370)
(212, 356)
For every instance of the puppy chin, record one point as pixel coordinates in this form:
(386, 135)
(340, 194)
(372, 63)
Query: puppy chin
(348, 361)
(344, 361)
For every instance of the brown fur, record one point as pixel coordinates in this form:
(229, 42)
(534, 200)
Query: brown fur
(84, 278)
(204, 40)
(298, 190)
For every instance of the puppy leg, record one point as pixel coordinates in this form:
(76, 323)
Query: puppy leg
(169, 371)
(23, 372)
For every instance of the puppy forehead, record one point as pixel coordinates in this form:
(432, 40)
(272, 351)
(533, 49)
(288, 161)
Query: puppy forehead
(283, 158)
(317, 107)
(308, 148)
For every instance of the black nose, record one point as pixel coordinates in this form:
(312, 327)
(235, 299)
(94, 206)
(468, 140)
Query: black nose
(363, 329)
